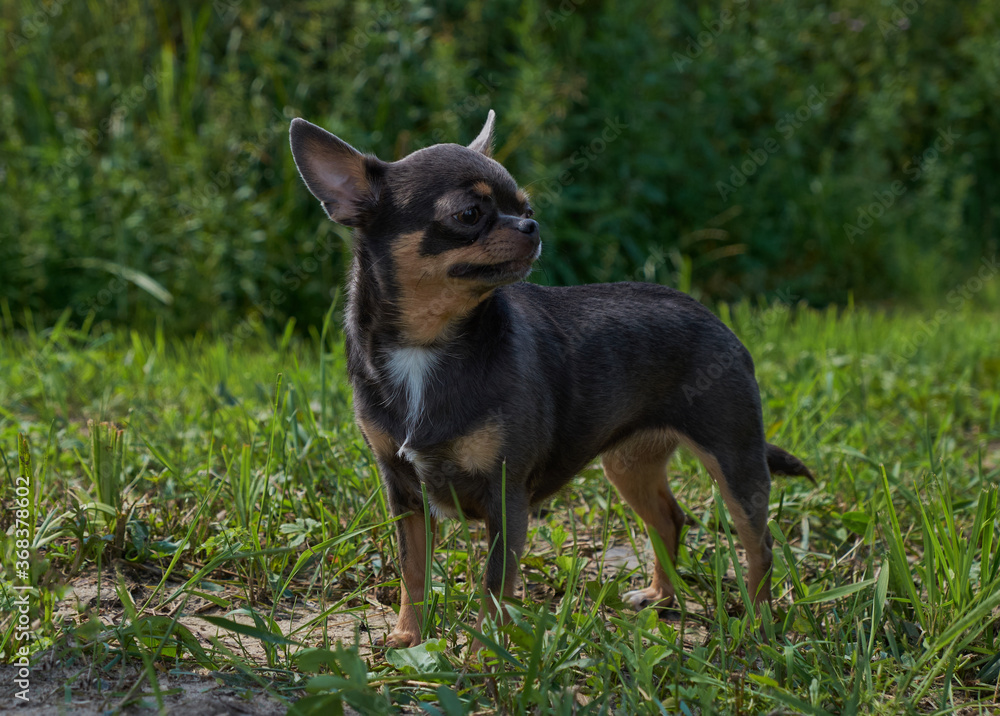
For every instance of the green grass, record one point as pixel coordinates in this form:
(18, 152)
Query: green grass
(233, 478)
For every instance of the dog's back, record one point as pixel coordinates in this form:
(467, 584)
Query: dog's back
(617, 359)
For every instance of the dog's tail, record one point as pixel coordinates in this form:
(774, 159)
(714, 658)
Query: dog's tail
(782, 462)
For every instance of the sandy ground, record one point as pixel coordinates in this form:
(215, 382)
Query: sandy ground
(84, 691)
(66, 681)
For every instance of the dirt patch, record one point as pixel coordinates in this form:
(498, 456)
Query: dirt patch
(87, 691)
(67, 679)
(72, 679)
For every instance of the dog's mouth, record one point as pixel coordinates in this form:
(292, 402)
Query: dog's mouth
(504, 272)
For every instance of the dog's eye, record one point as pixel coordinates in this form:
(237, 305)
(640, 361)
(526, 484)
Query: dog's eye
(528, 213)
(469, 217)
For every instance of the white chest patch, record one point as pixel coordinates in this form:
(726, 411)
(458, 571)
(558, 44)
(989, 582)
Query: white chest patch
(410, 369)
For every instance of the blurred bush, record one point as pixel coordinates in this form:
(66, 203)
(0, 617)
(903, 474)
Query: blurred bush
(733, 149)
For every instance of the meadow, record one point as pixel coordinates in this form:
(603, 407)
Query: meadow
(203, 521)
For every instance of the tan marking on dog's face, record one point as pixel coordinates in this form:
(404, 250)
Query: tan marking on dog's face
(522, 196)
(381, 442)
(430, 300)
(479, 451)
(482, 188)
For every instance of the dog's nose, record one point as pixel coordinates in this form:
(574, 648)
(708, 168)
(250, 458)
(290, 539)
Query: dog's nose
(529, 227)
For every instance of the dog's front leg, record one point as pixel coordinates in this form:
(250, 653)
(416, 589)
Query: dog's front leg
(507, 529)
(414, 551)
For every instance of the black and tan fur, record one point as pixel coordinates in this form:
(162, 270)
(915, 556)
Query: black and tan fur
(460, 368)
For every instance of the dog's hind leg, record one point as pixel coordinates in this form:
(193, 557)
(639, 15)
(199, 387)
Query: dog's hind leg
(745, 483)
(638, 470)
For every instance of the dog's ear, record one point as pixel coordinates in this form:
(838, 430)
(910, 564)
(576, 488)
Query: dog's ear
(484, 142)
(341, 177)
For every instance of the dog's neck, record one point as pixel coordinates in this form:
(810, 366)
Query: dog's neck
(400, 372)
(367, 299)
(376, 321)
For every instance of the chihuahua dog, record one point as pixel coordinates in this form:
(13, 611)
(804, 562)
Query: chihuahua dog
(481, 395)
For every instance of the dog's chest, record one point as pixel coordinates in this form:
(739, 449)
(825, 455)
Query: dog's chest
(410, 370)
(452, 467)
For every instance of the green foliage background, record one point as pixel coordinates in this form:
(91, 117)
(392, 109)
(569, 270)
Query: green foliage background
(146, 174)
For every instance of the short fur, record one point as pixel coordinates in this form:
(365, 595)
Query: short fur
(461, 370)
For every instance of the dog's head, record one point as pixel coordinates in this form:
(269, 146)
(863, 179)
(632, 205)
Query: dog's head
(444, 226)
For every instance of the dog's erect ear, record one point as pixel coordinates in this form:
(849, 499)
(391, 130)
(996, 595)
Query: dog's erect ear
(335, 172)
(484, 142)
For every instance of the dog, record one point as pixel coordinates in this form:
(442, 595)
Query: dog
(481, 394)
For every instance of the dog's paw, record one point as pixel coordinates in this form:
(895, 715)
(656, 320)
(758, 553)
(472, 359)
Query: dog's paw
(648, 597)
(398, 640)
